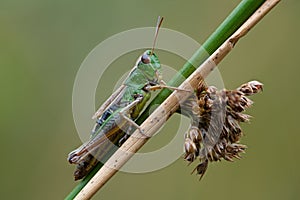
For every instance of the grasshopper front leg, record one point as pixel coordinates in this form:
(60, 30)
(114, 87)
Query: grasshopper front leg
(164, 85)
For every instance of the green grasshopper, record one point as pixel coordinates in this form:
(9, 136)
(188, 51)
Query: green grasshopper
(115, 118)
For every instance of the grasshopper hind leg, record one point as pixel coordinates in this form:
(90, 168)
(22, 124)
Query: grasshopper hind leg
(130, 128)
(129, 132)
(127, 111)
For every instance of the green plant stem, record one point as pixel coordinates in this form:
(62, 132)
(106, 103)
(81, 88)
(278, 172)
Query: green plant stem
(237, 17)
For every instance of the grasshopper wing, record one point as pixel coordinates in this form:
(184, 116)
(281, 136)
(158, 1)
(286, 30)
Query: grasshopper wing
(112, 99)
(108, 102)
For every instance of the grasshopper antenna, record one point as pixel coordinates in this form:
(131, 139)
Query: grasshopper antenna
(159, 22)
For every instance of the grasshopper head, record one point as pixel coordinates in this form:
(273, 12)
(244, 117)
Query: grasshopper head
(149, 64)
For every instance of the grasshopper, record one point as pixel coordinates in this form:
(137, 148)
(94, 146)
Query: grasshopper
(115, 118)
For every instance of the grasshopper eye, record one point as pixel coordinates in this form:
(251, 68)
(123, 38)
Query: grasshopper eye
(145, 59)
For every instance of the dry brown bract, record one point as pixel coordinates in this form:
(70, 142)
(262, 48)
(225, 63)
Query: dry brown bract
(215, 131)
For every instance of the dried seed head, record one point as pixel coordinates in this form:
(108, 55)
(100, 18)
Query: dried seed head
(211, 90)
(201, 169)
(251, 88)
(195, 108)
(237, 101)
(190, 150)
(215, 129)
(194, 134)
(240, 117)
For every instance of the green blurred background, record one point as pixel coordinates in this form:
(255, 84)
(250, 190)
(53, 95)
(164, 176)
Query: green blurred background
(42, 46)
